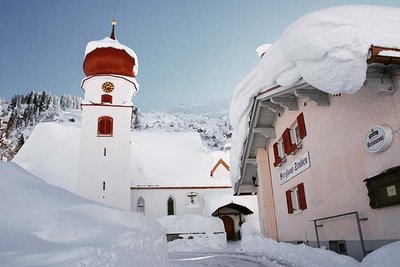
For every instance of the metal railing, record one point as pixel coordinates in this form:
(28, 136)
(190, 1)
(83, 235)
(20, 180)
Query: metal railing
(358, 219)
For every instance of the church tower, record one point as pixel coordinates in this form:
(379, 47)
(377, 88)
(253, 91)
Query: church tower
(104, 158)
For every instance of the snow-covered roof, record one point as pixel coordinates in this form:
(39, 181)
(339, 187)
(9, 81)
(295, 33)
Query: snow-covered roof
(108, 42)
(173, 159)
(157, 158)
(262, 49)
(327, 49)
(113, 43)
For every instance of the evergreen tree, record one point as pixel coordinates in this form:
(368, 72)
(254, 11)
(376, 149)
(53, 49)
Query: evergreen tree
(21, 141)
(136, 119)
(42, 102)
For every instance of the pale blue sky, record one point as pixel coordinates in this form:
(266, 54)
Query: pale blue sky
(189, 51)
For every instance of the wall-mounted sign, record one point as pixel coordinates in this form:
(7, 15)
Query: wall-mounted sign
(295, 168)
(378, 138)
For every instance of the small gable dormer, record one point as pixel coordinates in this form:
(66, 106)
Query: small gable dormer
(220, 169)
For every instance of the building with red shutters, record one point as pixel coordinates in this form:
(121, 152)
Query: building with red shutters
(326, 167)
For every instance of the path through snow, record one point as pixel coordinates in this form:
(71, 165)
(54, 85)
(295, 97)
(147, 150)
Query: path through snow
(231, 256)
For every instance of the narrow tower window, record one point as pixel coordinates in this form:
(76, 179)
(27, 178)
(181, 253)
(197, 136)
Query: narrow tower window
(105, 152)
(171, 208)
(104, 185)
(140, 205)
(105, 126)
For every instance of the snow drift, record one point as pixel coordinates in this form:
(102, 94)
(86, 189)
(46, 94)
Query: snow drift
(294, 255)
(327, 49)
(386, 256)
(43, 225)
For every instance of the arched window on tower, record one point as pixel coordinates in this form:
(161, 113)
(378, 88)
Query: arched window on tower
(106, 99)
(105, 126)
(140, 205)
(171, 206)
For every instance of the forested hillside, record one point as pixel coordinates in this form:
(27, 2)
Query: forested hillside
(19, 115)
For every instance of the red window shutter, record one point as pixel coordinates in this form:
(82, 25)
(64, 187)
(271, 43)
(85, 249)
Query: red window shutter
(289, 201)
(105, 126)
(276, 155)
(287, 142)
(302, 197)
(106, 99)
(302, 125)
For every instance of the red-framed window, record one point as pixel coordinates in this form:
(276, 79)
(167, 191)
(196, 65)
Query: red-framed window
(277, 156)
(296, 199)
(106, 98)
(302, 126)
(290, 141)
(288, 145)
(105, 126)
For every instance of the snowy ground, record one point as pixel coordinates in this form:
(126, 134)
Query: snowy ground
(230, 256)
(43, 225)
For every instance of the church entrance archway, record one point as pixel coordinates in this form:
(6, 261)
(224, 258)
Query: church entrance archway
(229, 227)
(232, 215)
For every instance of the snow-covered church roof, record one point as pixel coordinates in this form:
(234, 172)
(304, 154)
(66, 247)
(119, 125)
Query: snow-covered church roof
(173, 159)
(327, 49)
(157, 158)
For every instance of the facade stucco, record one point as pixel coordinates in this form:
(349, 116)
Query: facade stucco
(339, 164)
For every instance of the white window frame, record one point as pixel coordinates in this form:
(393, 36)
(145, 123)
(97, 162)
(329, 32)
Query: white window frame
(294, 192)
(295, 135)
(281, 150)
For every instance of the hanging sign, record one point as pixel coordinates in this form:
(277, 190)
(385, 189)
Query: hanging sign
(378, 138)
(295, 168)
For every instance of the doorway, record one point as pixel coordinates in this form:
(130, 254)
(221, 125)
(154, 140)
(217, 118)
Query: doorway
(229, 227)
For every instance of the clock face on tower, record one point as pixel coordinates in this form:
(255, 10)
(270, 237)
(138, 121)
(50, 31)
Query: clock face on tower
(107, 87)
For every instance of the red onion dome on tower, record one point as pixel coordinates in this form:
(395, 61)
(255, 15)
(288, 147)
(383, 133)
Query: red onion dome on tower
(108, 56)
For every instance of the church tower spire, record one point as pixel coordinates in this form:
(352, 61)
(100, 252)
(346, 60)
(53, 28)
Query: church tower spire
(104, 157)
(113, 23)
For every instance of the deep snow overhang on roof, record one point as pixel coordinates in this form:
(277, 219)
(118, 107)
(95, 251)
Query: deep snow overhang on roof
(272, 102)
(384, 55)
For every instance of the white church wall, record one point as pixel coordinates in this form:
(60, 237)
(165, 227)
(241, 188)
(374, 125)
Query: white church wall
(156, 200)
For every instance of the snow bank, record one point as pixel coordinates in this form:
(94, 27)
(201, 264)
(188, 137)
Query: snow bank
(43, 225)
(294, 255)
(191, 223)
(198, 242)
(197, 232)
(327, 48)
(386, 256)
(251, 226)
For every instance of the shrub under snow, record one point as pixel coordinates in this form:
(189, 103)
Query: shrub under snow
(197, 232)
